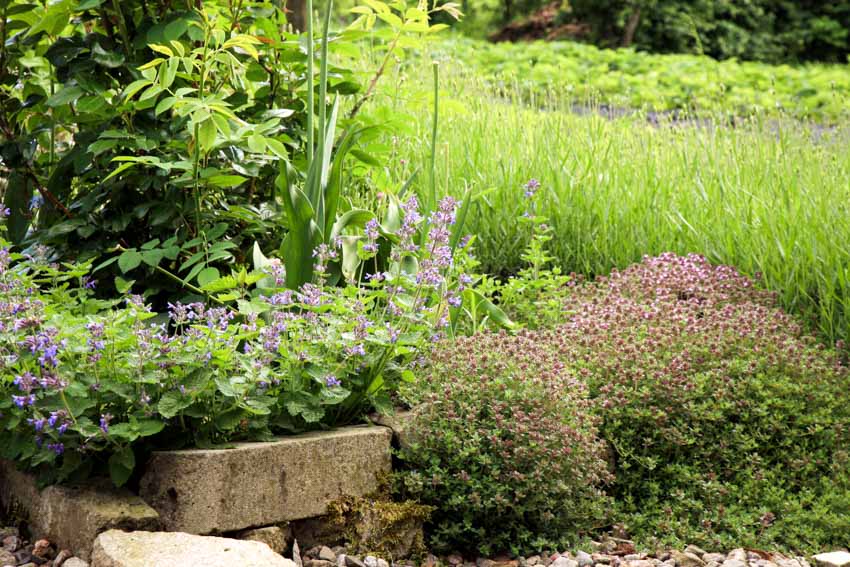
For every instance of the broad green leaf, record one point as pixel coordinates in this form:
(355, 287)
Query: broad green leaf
(227, 181)
(65, 96)
(207, 276)
(206, 135)
(129, 260)
(172, 403)
(121, 465)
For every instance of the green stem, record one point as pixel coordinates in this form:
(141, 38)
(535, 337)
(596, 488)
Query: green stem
(187, 285)
(122, 27)
(310, 102)
(433, 195)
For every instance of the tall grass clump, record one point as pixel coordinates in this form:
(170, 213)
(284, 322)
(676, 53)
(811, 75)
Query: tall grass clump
(769, 196)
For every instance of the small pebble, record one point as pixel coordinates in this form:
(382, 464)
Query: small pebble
(326, 554)
(351, 561)
(370, 561)
(61, 557)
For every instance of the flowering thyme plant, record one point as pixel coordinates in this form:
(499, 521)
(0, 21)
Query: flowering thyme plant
(86, 383)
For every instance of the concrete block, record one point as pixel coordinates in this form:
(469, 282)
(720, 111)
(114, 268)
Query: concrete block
(72, 516)
(261, 484)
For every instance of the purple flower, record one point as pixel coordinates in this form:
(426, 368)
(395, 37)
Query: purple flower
(310, 295)
(96, 329)
(283, 298)
(356, 350)
(24, 401)
(57, 448)
(323, 254)
(104, 422)
(394, 333)
(531, 187)
(36, 202)
(331, 381)
(4, 211)
(372, 229)
(25, 382)
(361, 329)
(89, 282)
(37, 424)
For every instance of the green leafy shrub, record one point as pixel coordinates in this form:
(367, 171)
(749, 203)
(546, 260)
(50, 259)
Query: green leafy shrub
(504, 447)
(568, 72)
(729, 425)
(86, 384)
(158, 129)
(766, 30)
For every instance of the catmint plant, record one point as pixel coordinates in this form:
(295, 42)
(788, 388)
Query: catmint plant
(90, 384)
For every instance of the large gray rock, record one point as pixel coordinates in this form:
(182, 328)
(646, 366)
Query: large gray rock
(833, 559)
(170, 549)
(71, 517)
(258, 484)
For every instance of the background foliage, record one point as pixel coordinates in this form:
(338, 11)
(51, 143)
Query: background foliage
(762, 30)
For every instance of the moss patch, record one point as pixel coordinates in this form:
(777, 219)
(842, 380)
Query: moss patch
(380, 526)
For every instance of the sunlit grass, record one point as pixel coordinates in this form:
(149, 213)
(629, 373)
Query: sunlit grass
(769, 197)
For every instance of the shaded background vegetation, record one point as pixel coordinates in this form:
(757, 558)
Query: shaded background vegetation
(762, 30)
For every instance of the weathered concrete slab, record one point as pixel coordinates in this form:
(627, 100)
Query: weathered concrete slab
(71, 517)
(170, 549)
(260, 484)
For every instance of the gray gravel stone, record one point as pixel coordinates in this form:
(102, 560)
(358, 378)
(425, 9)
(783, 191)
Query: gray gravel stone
(75, 562)
(326, 554)
(716, 557)
(584, 559)
(686, 559)
(351, 561)
(734, 563)
(7, 558)
(699, 552)
(370, 561)
(564, 562)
